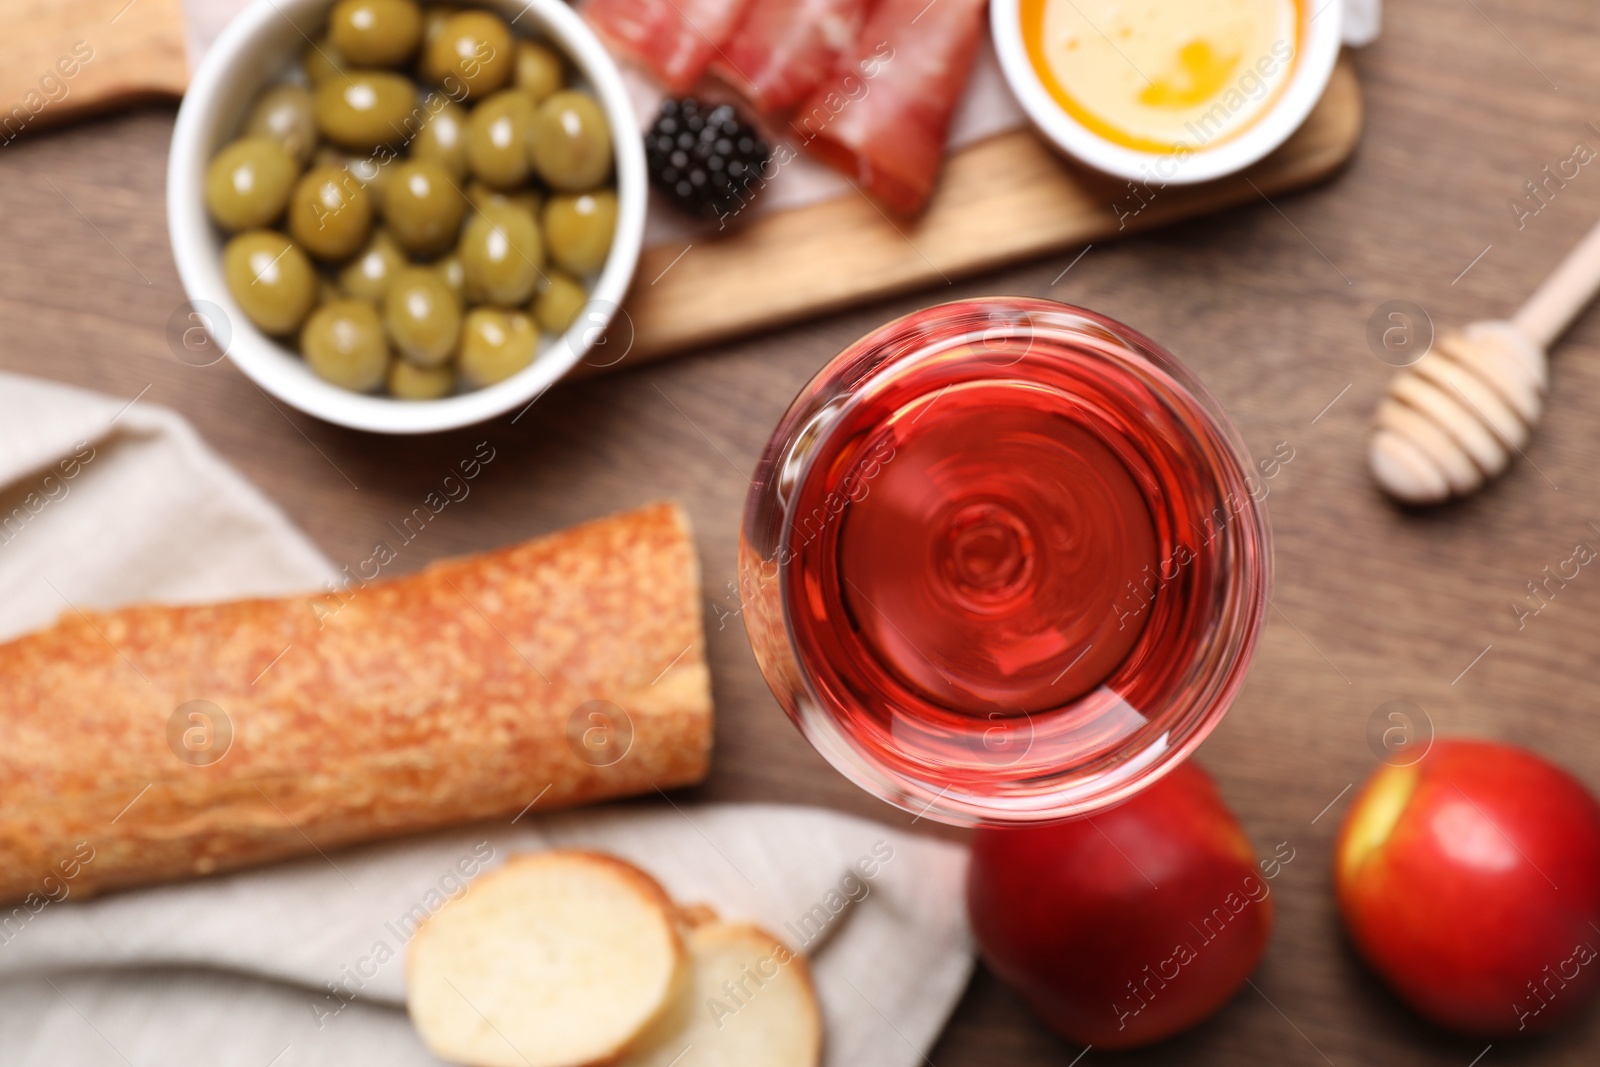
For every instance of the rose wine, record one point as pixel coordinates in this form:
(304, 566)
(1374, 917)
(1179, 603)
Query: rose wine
(992, 563)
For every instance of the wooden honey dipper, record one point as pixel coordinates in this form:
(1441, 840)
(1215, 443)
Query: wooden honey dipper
(1452, 420)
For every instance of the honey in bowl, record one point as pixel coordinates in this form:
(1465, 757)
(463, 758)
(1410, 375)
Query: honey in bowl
(1163, 75)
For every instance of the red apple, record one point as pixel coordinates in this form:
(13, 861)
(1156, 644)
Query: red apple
(1471, 882)
(1128, 926)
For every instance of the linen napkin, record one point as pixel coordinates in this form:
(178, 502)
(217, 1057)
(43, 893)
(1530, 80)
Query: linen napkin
(301, 964)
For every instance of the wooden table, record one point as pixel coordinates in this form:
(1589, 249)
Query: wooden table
(1467, 100)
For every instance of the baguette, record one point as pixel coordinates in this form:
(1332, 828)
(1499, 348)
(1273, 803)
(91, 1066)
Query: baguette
(468, 690)
(560, 959)
(749, 1000)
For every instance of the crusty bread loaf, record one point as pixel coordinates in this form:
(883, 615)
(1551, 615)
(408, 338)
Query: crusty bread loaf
(467, 690)
(749, 1002)
(559, 959)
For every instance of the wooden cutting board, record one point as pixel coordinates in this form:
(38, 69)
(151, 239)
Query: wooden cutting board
(1002, 200)
(63, 59)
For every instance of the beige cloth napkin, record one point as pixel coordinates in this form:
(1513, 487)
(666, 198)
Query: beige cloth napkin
(103, 501)
(301, 964)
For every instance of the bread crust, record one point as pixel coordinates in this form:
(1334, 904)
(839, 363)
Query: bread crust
(390, 707)
(679, 1033)
(793, 961)
(638, 881)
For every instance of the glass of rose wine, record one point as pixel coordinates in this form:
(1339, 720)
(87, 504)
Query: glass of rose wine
(1004, 561)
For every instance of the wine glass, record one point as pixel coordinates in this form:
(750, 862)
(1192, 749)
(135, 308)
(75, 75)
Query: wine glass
(1004, 560)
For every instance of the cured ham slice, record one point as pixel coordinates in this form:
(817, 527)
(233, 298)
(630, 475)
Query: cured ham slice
(882, 116)
(785, 48)
(674, 39)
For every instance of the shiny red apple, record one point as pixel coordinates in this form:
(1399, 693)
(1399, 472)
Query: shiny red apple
(1128, 926)
(1470, 881)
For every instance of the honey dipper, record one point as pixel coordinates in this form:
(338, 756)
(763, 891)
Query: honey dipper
(1452, 420)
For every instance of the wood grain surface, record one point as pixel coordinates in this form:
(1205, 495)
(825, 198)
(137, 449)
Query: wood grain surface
(1269, 303)
(1007, 198)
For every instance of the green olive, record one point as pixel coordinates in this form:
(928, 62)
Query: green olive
(330, 213)
(540, 70)
(559, 301)
(376, 33)
(579, 230)
(372, 171)
(495, 345)
(343, 343)
(501, 254)
(455, 276)
(323, 61)
(423, 207)
(327, 289)
(284, 114)
(407, 381)
(470, 55)
(442, 138)
(529, 200)
(571, 144)
(423, 316)
(375, 172)
(367, 277)
(248, 183)
(271, 278)
(497, 138)
(433, 19)
(365, 109)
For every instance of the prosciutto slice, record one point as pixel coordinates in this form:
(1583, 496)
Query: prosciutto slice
(785, 48)
(882, 115)
(674, 39)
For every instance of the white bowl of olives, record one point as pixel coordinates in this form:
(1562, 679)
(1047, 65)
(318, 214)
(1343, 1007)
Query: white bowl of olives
(406, 217)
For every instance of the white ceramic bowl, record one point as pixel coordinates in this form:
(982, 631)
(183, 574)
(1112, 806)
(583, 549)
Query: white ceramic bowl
(256, 49)
(1319, 50)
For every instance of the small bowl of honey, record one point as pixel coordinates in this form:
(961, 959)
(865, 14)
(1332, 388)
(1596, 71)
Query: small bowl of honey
(1167, 91)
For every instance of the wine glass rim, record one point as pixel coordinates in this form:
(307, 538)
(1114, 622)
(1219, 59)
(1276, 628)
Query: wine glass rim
(1189, 713)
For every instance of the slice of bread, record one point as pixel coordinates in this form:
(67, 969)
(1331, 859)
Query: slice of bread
(749, 1002)
(559, 959)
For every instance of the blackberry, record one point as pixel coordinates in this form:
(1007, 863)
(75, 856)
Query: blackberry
(706, 160)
